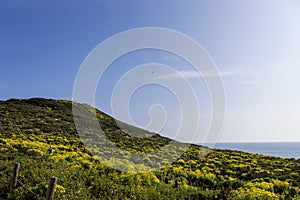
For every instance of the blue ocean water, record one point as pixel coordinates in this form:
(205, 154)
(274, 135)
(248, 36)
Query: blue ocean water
(279, 149)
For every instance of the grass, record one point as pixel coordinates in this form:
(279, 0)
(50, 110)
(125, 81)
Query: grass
(29, 126)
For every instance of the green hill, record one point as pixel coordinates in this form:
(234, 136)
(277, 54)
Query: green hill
(29, 127)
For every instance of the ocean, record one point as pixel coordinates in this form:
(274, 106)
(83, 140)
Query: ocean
(278, 149)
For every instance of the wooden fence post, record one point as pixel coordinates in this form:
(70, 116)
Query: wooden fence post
(14, 180)
(51, 188)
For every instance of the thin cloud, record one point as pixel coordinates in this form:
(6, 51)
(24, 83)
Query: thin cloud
(253, 74)
(249, 82)
(190, 74)
(172, 58)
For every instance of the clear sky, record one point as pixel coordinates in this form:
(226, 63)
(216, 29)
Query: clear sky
(254, 43)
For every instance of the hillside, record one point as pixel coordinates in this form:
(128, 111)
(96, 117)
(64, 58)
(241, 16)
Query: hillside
(28, 127)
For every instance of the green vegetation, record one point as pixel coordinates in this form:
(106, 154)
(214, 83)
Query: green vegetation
(29, 127)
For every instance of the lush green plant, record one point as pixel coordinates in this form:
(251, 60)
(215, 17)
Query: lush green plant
(253, 193)
(29, 127)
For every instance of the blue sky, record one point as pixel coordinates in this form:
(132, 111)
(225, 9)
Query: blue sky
(255, 44)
